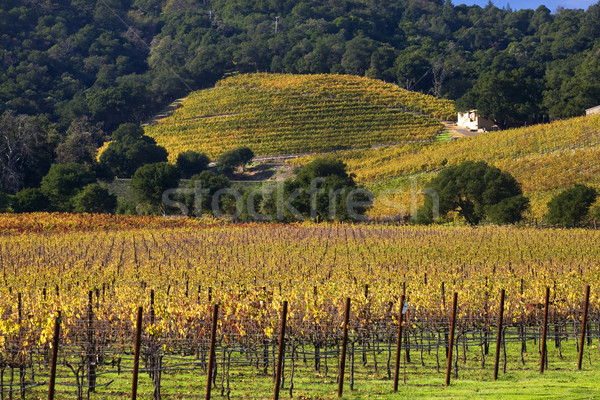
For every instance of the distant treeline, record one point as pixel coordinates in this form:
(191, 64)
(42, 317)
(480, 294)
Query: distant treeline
(115, 61)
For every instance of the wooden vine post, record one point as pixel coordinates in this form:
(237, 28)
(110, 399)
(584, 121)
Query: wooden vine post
(211, 353)
(499, 335)
(344, 346)
(54, 361)
(399, 343)
(281, 353)
(451, 344)
(136, 354)
(586, 305)
(544, 332)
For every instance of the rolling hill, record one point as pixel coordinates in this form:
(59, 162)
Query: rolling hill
(277, 114)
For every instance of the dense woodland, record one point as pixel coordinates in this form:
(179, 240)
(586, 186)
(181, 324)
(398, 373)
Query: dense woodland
(71, 71)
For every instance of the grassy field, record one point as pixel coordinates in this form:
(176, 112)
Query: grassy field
(295, 114)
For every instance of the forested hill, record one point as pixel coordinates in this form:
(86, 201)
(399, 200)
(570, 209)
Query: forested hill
(120, 61)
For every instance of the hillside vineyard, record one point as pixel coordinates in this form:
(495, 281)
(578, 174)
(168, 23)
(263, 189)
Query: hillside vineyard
(277, 114)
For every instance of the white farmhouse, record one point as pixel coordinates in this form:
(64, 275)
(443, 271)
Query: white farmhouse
(593, 110)
(474, 122)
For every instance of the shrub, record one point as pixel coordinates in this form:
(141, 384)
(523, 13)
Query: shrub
(570, 207)
(125, 206)
(94, 199)
(190, 163)
(31, 200)
(150, 182)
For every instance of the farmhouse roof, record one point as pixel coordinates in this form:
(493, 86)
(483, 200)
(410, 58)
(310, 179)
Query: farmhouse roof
(593, 110)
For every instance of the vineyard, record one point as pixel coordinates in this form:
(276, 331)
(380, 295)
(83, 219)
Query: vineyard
(98, 279)
(69, 222)
(294, 114)
(543, 158)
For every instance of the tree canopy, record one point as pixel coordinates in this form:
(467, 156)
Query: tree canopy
(210, 183)
(571, 206)
(130, 150)
(63, 182)
(26, 145)
(321, 191)
(31, 200)
(191, 163)
(232, 159)
(4, 202)
(63, 61)
(475, 191)
(94, 199)
(150, 182)
(81, 143)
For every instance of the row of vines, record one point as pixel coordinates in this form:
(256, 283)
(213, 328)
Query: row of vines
(281, 114)
(99, 278)
(543, 158)
(348, 86)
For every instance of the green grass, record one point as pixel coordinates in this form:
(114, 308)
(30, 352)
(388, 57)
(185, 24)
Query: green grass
(444, 136)
(561, 380)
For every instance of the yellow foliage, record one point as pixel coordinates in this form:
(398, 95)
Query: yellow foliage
(543, 158)
(253, 268)
(294, 114)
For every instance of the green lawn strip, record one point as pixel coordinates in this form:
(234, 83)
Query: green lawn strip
(561, 380)
(445, 136)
